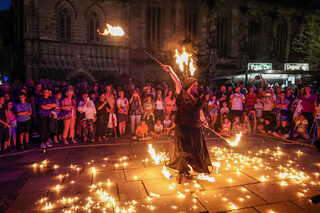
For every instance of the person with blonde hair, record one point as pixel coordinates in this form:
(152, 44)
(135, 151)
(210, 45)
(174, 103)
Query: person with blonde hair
(68, 106)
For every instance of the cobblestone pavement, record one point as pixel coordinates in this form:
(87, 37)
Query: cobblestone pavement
(256, 176)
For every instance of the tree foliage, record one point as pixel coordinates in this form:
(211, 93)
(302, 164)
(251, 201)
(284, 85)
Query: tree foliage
(307, 45)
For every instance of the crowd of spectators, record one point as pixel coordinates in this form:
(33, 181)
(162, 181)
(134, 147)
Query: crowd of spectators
(56, 112)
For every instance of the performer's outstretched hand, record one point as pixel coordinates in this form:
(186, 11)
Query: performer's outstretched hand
(167, 68)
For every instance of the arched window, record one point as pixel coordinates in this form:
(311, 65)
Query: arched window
(254, 35)
(153, 24)
(64, 24)
(281, 41)
(191, 23)
(223, 26)
(94, 24)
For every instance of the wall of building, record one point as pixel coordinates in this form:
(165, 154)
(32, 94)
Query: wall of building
(220, 48)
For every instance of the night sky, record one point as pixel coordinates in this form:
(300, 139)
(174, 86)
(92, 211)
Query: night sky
(4, 4)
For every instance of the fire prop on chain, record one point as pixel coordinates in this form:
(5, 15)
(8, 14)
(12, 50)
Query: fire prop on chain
(110, 30)
(231, 143)
(118, 31)
(186, 63)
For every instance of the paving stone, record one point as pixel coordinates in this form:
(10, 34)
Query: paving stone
(116, 176)
(165, 186)
(143, 174)
(307, 205)
(27, 202)
(11, 176)
(169, 203)
(131, 190)
(128, 164)
(77, 180)
(39, 184)
(99, 166)
(228, 199)
(283, 193)
(262, 175)
(280, 207)
(226, 179)
(245, 210)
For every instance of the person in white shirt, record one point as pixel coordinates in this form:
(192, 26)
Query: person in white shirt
(159, 108)
(88, 114)
(158, 130)
(237, 100)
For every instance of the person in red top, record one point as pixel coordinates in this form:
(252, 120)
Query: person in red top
(250, 99)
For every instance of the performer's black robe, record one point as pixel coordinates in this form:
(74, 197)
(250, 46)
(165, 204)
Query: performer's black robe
(189, 146)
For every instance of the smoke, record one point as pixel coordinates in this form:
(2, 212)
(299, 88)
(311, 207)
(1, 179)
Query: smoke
(179, 41)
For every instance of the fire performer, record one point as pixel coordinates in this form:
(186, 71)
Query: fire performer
(189, 147)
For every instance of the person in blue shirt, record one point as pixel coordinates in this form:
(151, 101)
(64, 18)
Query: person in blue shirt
(24, 112)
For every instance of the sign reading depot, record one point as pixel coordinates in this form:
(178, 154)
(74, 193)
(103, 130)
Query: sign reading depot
(296, 67)
(259, 66)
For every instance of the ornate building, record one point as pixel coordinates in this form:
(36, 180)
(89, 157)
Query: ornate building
(59, 38)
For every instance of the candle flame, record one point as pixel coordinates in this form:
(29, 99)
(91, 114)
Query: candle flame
(114, 31)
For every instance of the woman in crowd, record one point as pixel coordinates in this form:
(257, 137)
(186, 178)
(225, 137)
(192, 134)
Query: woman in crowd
(170, 102)
(68, 107)
(136, 111)
(12, 124)
(123, 107)
(102, 107)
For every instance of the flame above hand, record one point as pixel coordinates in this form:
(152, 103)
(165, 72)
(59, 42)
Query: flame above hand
(114, 31)
(184, 59)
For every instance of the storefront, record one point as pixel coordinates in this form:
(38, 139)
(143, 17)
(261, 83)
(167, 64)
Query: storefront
(291, 73)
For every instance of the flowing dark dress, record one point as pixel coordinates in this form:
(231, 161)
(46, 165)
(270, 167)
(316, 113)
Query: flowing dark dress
(189, 146)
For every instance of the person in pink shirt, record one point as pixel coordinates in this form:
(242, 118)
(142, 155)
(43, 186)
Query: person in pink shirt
(68, 105)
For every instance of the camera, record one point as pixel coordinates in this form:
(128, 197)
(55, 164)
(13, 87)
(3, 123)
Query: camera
(257, 77)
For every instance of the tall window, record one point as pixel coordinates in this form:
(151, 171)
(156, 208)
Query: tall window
(223, 24)
(281, 41)
(190, 23)
(254, 34)
(153, 24)
(94, 24)
(65, 24)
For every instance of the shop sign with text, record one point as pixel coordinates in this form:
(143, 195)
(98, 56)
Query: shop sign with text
(296, 67)
(259, 66)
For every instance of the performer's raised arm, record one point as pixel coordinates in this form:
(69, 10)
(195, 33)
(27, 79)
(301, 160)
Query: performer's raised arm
(174, 78)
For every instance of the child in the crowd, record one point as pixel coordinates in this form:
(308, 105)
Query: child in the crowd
(56, 124)
(246, 126)
(12, 121)
(87, 107)
(268, 126)
(260, 126)
(213, 107)
(300, 128)
(283, 131)
(258, 107)
(226, 128)
(4, 131)
(224, 109)
(148, 115)
(24, 112)
(45, 106)
(166, 122)
(236, 127)
(158, 130)
(141, 131)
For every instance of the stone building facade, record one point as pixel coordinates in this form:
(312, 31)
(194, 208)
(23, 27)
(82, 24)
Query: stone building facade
(60, 39)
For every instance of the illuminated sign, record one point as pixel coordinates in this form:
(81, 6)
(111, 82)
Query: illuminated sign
(259, 66)
(296, 66)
